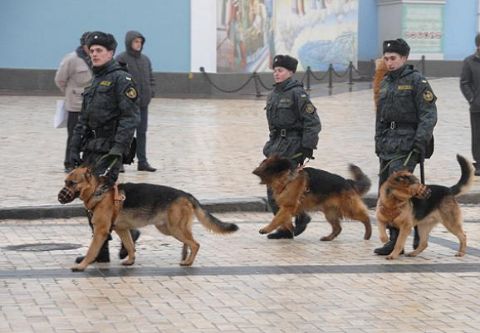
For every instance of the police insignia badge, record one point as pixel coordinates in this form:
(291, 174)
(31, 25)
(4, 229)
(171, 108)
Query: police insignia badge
(309, 108)
(428, 96)
(131, 93)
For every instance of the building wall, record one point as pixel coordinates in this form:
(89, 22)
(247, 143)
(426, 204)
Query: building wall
(35, 34)
(460, 20)
(460, 26)
(367, 30)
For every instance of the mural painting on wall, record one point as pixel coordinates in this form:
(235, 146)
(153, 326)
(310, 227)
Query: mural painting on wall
(316, 32)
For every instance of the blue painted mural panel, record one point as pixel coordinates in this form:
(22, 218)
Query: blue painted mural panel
(367, 30)
(460, 22)
(37, 33)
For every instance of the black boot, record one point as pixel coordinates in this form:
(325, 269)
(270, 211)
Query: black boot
(388, 247)
(301, 222)
(123, 251)
(280, 233)
(416, 238)
(103, 255)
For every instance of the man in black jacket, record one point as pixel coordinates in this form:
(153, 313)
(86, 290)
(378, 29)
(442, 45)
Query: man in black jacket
(470, 86)
(294, 125)
(140, 67)
(108, 118)
(405, 119)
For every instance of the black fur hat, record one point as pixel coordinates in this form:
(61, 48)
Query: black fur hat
(398, 45)
(285, 61)
(83, 39)
(103, 39)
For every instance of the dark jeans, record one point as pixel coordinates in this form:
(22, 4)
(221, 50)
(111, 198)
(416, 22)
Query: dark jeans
(142, 136)
(71, 122)
(475, 126)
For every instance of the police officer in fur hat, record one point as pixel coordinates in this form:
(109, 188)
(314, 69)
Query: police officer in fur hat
(294, 125)
(108, 118)
(405, 118)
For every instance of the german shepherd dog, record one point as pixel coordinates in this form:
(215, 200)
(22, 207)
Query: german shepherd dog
(307, 189)
(131, 206)
(404, 203)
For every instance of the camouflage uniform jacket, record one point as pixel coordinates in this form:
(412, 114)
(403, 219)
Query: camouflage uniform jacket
(109, 114)
(406, 114)
(292, 120)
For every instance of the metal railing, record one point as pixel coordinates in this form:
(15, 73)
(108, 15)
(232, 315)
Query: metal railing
(351, 73)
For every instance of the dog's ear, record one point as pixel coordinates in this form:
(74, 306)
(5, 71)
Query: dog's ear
(88, 174)
(278, 165)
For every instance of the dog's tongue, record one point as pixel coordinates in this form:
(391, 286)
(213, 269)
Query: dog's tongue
(65, 196)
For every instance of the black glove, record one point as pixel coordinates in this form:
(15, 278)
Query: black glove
(106, 164)
(308, 153)
(419, 150)
(303, 154)
(74, 158)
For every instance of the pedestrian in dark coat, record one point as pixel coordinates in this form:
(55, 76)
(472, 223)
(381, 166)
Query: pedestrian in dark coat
(405, 119)
(140, 67)
(294, 125)
(470, 87)
(108, 117)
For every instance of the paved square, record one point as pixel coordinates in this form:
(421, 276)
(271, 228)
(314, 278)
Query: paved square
(239, 283)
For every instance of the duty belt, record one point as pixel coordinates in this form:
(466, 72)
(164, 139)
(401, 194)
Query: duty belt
(284, 132)
(396, 124)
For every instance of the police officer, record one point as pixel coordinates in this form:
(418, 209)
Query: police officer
(294, 126)
(108, 118)
(405, 118)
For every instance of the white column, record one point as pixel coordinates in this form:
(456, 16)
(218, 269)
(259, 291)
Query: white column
(203, 35)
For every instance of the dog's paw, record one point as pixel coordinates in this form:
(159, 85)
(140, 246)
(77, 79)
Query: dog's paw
(263, 231)
(459, 254)
(77, 268)
(411, 254)
(391, 257)
(128, 262)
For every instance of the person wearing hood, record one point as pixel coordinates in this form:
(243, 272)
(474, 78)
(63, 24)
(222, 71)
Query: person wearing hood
(470, 87)
(405, 118)
(104, 132)
(72, 76)
(140, 67)
(294, 126)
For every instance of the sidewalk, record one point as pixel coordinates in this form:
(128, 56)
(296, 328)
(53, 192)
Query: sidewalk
(209, 148)
(240, 282)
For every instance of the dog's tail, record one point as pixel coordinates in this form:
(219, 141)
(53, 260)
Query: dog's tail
(209, 221)
(466, 179)
(360, 182)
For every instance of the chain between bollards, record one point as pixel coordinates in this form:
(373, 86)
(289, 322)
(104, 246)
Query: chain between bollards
(308, 75)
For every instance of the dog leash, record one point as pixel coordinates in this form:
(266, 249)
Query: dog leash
(409, 155)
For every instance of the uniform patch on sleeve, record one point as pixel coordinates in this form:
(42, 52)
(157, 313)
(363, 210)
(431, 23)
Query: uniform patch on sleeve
(428, 96)
(131, 93)
(106, 83)
(309, 108)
